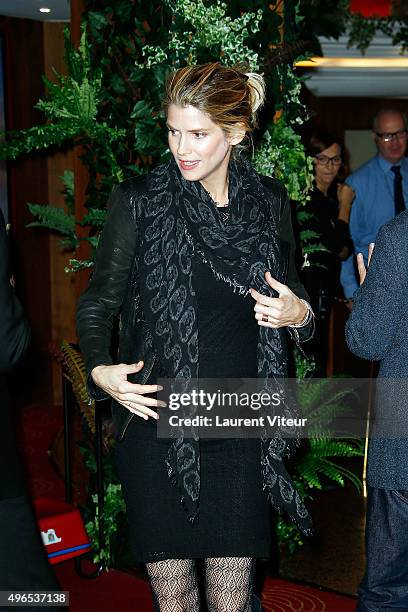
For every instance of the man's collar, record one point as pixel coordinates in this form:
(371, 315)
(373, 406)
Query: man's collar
(385, 165)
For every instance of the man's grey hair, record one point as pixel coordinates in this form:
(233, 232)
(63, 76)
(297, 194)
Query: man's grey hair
(389, 111)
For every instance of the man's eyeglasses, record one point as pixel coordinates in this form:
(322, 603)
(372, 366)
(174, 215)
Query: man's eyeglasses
(388, 136)
(323, 160)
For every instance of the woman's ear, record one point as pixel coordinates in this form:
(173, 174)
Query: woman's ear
(236, 136)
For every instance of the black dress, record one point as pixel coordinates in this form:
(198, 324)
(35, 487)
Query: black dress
(234, 518)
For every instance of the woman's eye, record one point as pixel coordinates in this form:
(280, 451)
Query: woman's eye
(172, 132)
(200, 134)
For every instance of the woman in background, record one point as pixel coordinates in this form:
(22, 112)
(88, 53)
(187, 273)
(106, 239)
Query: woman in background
(321, 272)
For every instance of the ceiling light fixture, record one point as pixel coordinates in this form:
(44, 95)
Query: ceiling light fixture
(44, 9)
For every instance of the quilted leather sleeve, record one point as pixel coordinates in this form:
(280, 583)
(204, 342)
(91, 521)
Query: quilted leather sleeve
(102, 300)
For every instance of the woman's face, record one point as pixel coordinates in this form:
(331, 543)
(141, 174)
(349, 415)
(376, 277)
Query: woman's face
(199, 146)
(325, 173)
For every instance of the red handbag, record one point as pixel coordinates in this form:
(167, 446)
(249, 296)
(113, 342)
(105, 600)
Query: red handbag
(62, 529)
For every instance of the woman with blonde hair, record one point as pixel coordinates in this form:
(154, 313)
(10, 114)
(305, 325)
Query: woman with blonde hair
(197, 259)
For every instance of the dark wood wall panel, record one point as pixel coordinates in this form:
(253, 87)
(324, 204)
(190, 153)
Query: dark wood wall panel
(340, 114)
(63, 285)
(27, 180)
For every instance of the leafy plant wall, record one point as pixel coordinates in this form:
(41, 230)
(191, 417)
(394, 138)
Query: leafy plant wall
(109, 103)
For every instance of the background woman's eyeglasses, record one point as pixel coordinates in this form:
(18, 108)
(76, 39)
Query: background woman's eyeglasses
(388, 136)
(323, 160)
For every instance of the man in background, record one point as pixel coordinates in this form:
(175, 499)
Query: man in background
(378, 190)
(378, 330)
(23, 563)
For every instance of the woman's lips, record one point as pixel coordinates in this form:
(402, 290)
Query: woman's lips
(187, 165)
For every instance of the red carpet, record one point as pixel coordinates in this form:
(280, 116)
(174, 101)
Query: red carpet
(118, 591)
(115, 591)
(111, 592)
(39, 425)
(282, 596)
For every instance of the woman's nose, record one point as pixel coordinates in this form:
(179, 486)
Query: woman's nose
(184, 145)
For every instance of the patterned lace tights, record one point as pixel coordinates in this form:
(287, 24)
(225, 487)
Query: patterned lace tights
(228, 584)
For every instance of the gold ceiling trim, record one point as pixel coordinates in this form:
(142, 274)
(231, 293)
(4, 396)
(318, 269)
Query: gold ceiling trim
(354, 62)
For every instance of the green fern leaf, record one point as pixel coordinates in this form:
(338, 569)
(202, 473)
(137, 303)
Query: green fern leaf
(96, 217)
(54, 218)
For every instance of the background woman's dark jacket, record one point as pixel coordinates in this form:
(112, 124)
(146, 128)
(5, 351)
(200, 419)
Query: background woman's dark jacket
(321, 277)
(111, 291)
(322, 274)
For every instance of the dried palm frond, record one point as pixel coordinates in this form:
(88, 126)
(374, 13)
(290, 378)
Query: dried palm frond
(73, 368)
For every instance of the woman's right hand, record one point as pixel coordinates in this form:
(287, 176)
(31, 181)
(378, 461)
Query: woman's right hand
(113, 380)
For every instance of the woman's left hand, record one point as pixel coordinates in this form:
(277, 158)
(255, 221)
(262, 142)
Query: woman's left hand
(286, 309)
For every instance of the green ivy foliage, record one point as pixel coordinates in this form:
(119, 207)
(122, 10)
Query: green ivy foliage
(361, 31)
(114, 516)
(333, 18)
(281, 160)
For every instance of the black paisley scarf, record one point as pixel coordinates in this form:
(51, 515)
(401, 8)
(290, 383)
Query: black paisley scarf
(180, 216)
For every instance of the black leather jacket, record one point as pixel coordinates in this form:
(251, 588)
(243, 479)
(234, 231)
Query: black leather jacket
(114, 290)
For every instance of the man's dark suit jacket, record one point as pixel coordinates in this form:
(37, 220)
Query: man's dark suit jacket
(23, 563)
(378, 330)
(14, 338)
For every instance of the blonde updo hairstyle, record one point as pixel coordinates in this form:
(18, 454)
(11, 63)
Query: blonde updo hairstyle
(230, 97)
